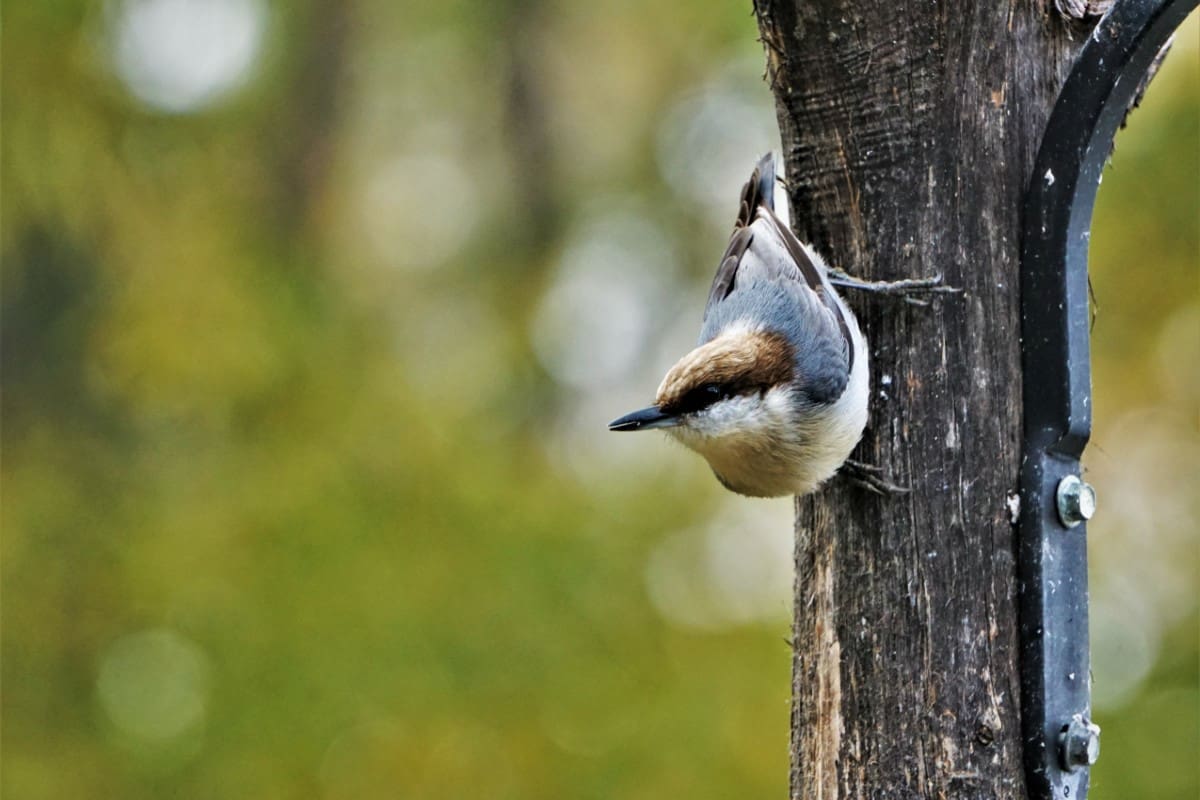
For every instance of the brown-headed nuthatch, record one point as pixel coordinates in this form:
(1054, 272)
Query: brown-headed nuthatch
(775, 395)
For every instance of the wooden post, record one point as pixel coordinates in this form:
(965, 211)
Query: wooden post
(909, 133)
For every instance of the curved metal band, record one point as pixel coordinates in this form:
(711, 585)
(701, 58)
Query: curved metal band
(1055, 678)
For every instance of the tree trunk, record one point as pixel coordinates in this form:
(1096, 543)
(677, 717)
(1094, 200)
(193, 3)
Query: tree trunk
(909, 133)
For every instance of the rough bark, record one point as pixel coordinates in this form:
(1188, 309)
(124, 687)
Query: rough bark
(909, 132)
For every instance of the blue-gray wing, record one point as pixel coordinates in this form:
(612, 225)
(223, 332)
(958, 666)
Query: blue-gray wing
(762, 251)
(823, 354)
(758, 192)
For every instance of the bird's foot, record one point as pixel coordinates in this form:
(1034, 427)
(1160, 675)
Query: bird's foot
(870, 477)
(912, 290)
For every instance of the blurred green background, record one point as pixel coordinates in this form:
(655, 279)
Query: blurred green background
(313, 315)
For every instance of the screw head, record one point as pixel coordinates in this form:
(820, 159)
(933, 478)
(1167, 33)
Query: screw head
(1076, 501)
(1079, 744)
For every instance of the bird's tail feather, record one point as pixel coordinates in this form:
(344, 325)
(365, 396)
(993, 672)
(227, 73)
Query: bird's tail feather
(764, 171)
(758, 191)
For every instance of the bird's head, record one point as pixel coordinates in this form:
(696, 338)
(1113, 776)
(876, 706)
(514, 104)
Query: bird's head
(734, 388)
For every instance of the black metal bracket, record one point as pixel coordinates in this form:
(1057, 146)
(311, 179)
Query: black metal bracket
(1060, 741)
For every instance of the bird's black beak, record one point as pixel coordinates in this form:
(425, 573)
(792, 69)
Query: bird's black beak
(644, 420)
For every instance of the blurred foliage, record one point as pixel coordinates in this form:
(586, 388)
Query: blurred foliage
(1144, 457)
(306, 487)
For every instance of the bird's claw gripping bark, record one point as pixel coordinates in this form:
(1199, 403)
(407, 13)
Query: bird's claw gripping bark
(870, 477)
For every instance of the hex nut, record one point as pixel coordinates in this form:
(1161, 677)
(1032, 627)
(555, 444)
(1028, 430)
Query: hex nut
(1079, 744)
(1076, 501)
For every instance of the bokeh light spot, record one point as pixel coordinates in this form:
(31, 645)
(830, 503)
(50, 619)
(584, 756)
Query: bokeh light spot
(179, 56)
(593, 324)
(736, 570)
(710, 136)
(154, 685)
(419, 209)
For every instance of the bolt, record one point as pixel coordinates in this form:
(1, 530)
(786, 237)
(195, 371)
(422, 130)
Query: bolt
(1076, 501)
(1079, 743)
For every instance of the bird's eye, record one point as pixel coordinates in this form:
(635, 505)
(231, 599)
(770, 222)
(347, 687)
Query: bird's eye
(703, 396)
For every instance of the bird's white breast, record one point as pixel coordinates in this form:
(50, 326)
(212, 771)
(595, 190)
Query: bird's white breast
(759, 445)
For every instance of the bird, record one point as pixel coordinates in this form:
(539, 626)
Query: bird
(774, 396)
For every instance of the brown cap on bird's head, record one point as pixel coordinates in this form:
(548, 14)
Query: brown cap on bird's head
(737, 361)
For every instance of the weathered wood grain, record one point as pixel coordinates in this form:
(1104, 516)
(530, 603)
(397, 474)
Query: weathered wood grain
(909, 133)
